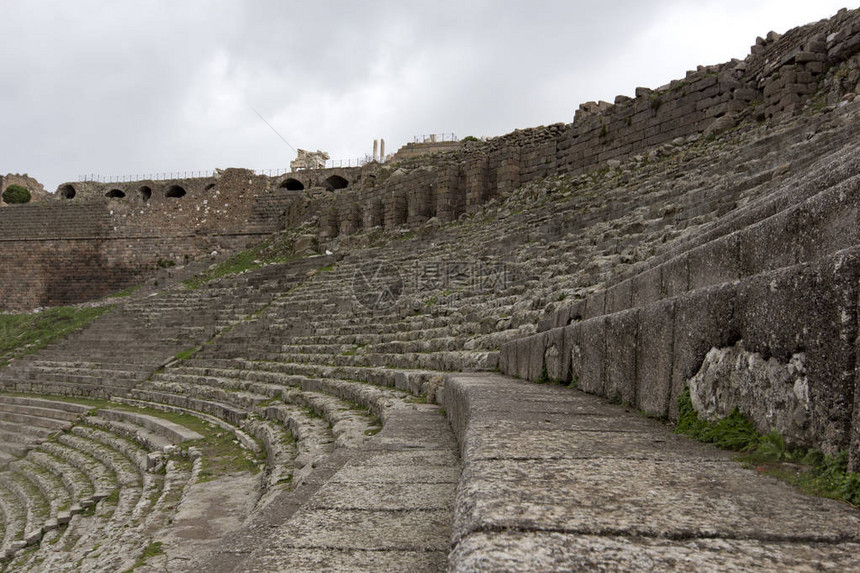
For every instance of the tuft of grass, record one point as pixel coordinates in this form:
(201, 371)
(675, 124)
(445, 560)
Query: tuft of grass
(543, 378)
(185, 354)
(807, 469)
(125, 292)
(23, 334)
(154, 549)
(734, 432)
(270, 251)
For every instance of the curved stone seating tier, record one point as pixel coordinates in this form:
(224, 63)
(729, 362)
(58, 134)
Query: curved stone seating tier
(44, 495)
(622, 279)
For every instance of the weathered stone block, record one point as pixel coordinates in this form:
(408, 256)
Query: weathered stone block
(715, 262)
(537, 344)
(593, 355)
(523, 357)
(654, 357)
(770, 244)
(647, 287)
(622, 331)
(704, 319)
(556, 359)
(829, 221)
(676, 276)
(619, 296)
(595, 305)
(810, 308)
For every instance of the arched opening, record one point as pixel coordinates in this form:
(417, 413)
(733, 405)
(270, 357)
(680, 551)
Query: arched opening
(292, 185)
(145, 193)
(174, 191)
(335, 182)
(115, 194)
(209, 187)
(67, 192)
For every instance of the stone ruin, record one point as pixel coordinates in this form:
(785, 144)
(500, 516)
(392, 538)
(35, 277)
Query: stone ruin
(366, 402)
(309, 160)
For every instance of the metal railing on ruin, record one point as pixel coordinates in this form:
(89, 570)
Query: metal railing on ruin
(435, 138)
(170, 175)
(165, 176)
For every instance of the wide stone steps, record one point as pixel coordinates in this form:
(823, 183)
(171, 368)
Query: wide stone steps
(228, 413)
(94, 467)
(37, 507)
(554, 479)
(76, 482)
(102, 478)
(95, 389)
(385, 507)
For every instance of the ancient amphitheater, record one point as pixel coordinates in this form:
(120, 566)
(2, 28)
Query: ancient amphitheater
(471, 360)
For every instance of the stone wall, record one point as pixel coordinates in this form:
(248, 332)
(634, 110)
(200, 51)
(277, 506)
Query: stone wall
(193, 216)
(37, 191)
(775, 283)
(778, 78)
(90, 238)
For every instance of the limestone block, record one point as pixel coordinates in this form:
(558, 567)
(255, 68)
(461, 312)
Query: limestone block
(621, 340)
(769, 244)
(704, 319)
(556, 358)
(676, 276)
(571, 342)
(647, 287)
(592, 349)
(715, 262)
(654, 357)
(810, 308)
(829, 221)
(619, 296)
(595, 305)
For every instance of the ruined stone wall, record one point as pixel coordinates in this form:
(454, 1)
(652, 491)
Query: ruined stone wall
(778, 78)
(37, 191)
(236, 206)
(92, 238)
(766, 298)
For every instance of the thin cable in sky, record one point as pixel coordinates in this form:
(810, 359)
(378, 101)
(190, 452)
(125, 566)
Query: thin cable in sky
(273, 129)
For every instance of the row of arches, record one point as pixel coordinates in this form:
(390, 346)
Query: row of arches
(332, 183)
(144, 192)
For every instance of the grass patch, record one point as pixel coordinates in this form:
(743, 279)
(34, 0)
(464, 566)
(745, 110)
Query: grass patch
(734, 432)
(125, 292)
(154, 549)
(185, 354)
(23, 334)
(234, 265)
(807, 469)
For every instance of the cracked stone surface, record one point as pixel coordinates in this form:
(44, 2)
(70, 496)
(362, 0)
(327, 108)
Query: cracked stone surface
(560, 480)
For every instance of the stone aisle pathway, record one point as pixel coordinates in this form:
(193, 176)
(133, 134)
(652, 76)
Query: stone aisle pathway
(389, 507)
(557, 480)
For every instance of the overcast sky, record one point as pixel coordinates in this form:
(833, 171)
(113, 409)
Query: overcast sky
(119, 88)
